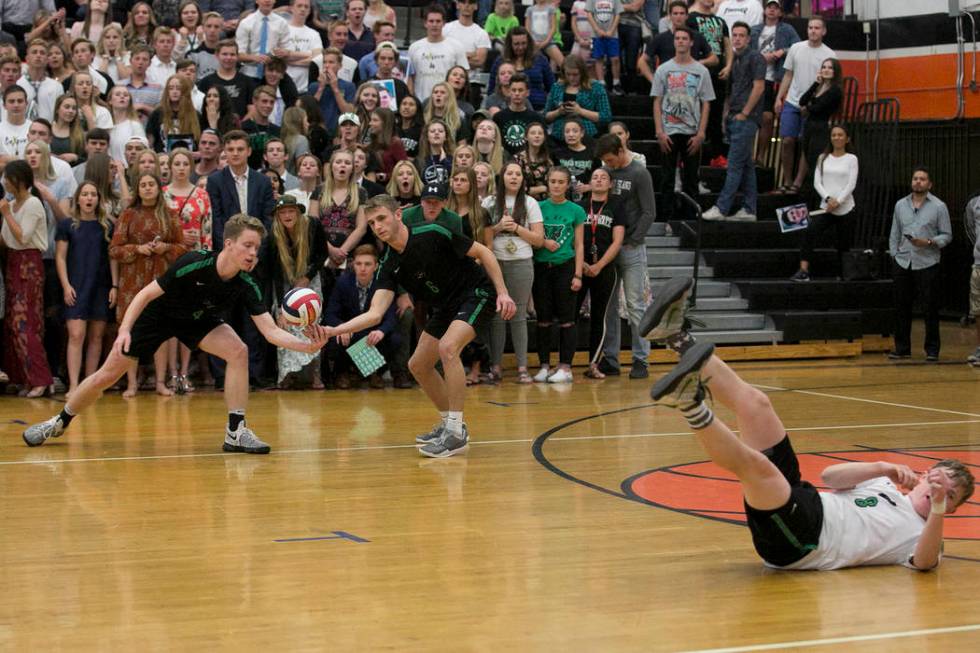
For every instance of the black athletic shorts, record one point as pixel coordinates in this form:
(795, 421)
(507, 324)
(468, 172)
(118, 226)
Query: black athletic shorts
(152, 329)
(787, 534)
(475, 306)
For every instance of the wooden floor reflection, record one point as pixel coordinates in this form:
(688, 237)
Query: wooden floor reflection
(134, 531)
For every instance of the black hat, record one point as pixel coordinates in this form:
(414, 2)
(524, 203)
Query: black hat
(435, 189)
(288, 201)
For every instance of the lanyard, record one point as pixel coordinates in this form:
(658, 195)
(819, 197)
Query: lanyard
(594, 223)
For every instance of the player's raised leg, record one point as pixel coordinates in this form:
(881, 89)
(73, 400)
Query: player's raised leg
(85, 394)
(224, 343)
(685, 388)
(455, 438)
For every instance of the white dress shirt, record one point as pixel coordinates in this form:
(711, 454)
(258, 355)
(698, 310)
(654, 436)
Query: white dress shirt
(159, 72)
(249, 37)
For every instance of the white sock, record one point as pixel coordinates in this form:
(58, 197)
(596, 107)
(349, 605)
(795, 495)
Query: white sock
(454, 421)
(443, 415)
(698, 416)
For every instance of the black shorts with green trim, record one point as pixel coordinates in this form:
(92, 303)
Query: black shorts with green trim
(476, 307)
(787, 534)
(152, 329)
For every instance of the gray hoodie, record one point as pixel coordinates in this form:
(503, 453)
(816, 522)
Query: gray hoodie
(634, 185)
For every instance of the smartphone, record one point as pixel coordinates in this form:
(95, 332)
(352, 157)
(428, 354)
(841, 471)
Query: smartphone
(908, 236)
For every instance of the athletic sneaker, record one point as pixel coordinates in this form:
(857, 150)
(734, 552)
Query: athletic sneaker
(801, 275)
(742, 216)
(714, 213)
(639, 370)
(665, 316)
(974, 358)
(561, 376)
(703, 188)
(432, 436)
(450, 445)
(682, 386)
(243, 440)
(542, 375)
(36, 434)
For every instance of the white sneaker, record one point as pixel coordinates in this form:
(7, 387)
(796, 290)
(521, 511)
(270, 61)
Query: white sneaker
(703, 188)
(743, 216)
(714, 213)
(542, 375)
(244, 440)
(561, 376)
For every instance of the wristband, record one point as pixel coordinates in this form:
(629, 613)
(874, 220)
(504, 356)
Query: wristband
(939, 507)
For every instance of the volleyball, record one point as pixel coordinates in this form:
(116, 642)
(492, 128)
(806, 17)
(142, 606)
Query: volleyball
(301, 307)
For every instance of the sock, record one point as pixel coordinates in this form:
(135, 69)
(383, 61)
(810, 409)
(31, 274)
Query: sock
(66, 416)
(681, 342)
(443, 415)
(698, 415)
(454, 421)
(235, 419)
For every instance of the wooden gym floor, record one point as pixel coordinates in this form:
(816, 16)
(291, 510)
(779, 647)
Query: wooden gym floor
(576, 522)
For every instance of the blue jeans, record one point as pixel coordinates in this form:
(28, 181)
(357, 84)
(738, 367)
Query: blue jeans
(741, 166)
(632, 265)
(651, 11)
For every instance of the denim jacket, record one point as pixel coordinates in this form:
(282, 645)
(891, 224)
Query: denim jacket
(785, 37)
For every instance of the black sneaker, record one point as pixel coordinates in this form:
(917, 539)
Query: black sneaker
(932, 358)
(801, 275)
(639, 370)
(617, 90)
(665, 316)
(896, 356)
(606, 368)
(682, 385)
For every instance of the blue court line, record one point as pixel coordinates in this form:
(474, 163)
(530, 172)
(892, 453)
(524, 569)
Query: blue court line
(337, 535)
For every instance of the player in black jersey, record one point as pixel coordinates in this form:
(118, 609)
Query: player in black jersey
(189, 302)
(440, 268)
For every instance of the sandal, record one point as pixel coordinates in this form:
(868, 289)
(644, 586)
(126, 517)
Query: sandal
(787, 189)
(594, 373)
(524, 378)
(471, 381)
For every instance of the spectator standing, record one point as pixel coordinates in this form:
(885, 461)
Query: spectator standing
(577, 96)
(335, 95)
(175, 121)
(577, 158)
(162, 65)
(435, 159)
(209, 151)
(515, 229)
(660, 48)
(337, 38)
(558, 269)
(632, 184)
(802, 66)
(238, 85)
(125, 122)
(42, 91)
(432, 57)
(630, 34)
(972, 216)
(82, 55)
(744, 118)
(308, 172)
(519, 51)
(500, 97)
(489, 146)
(405, 185)
(140, 25)
(305, 45)
(715, 31)
(205, 53)
(410, 124)
(236, 188)
(14, 126)
(820, 103)
(260, 128)
(920, 230)
(582, 32)
(25, 234)
(146, 94)
(473, 38)
(378, 11)
(111, 55)
(517, 117)
(734, 11)
(541, 22)
(258, 35)
(603, 17)
(683, 93)
(89, 279)
(772, 38)
(835, 177)
(360, 38)
(91, 108)
(385, 144)
(535, 161)
(383, 66)
(499, 23)
(605, 227)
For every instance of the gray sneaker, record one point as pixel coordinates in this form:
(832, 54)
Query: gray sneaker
(665, 316)
(36, 434)
(450, 445)
(974, 358)
(432, 436)
(243, 440)
(682, 386)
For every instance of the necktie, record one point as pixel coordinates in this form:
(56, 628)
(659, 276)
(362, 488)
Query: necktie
(263, 43)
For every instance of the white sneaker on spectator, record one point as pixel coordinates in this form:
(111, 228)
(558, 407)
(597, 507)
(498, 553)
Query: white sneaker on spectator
(714, 213)
(561, 376)
(542, 375)
(742, 216)
(703, 188)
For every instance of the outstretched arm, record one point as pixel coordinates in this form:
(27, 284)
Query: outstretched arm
(929, 548)
(267, 327)
(845, 476)
(373, 315)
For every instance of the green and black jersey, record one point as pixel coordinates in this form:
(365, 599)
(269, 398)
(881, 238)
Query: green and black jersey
(192, 289)
(433, 267)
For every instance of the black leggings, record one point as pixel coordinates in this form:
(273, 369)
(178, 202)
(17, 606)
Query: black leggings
(554, 301)
(843, 226)
(600, 288)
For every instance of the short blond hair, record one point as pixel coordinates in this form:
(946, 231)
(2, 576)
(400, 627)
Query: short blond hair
(239, 222)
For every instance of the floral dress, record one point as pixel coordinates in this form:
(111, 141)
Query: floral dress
(535, 173)
(139, 226)
(193, 211)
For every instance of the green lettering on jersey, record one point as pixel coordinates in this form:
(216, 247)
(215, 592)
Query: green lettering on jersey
(196, 265)
(432, 226)
(433, 287)
(250, 281)
(870, 502)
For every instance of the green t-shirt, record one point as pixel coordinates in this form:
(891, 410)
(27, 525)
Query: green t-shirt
(446, 218)
(498, 27)
(560, 221)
